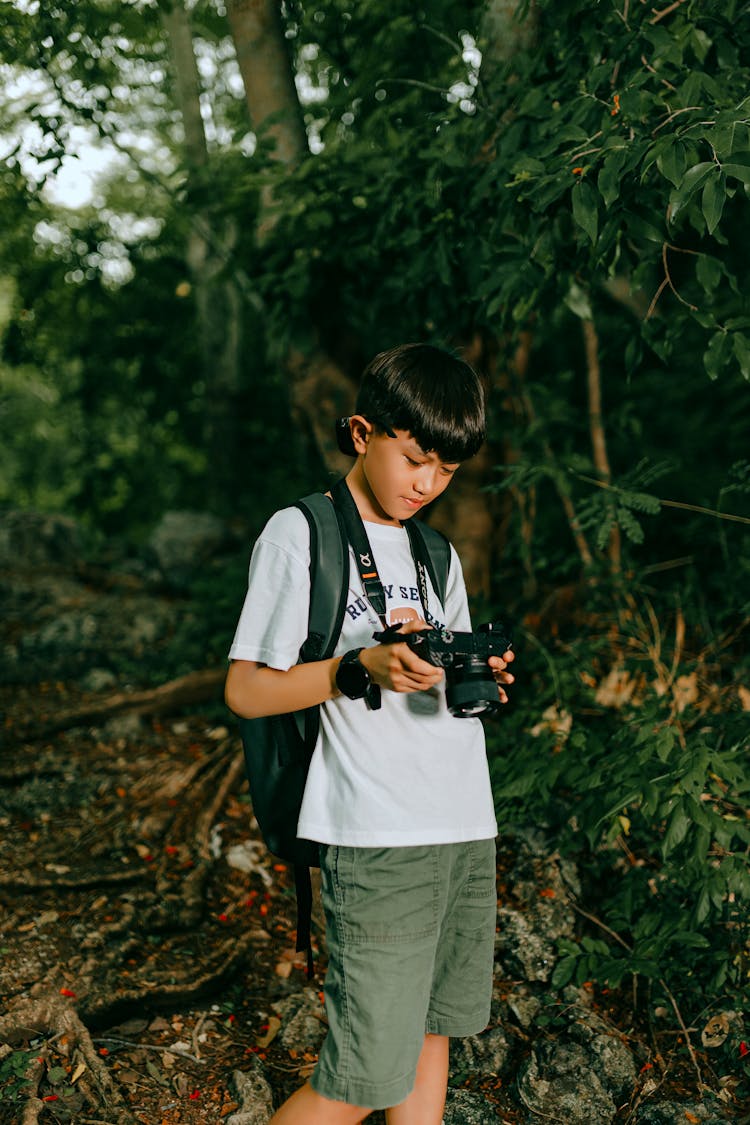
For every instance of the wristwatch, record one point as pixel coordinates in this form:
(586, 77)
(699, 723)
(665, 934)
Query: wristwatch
(352, 678)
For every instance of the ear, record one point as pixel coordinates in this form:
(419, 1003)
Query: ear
(360, 430)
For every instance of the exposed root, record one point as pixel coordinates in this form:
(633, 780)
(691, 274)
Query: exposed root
(49, 1015)
(111, 1002)
(24, 880)
(195, 687)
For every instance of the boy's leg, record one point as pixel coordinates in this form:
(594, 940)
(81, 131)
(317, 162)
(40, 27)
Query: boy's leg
(306, 1107)
(426, 1102)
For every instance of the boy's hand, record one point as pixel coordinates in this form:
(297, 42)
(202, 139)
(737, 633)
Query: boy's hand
(396, 667)
(498, 664)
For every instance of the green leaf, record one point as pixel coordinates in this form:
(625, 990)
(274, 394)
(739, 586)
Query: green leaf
(693, 179)
(741, 346)
(738, 167)
(585, 211)
(578, 301)
(716, 354)
(708, 271)
(629, 524)
(714, 197)
(609, 180)
(640, 227)
(563, 972)
(671, 162)
(604, 529)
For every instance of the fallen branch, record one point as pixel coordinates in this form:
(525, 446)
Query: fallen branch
(195, 687)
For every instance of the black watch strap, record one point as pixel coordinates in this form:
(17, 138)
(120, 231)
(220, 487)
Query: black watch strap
(354, 681)
(352, 678)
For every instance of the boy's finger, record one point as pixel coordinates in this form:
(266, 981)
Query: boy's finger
(416, 664)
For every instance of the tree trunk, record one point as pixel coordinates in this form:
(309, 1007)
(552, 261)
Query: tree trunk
(270, 89)
(596, 426)
(210, 243)
(502, 35)
(320, 391)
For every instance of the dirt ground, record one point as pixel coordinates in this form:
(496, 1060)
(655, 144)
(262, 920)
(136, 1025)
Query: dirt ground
(146, 936)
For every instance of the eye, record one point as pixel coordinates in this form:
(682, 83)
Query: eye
(411, 461)
(448, 470)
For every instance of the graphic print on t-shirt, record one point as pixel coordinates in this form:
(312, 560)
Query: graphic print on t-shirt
(407, 605)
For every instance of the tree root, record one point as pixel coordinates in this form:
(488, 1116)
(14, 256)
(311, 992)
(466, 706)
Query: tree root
(195, 687)
(156, 993)
(25, 881)
(49, 1015)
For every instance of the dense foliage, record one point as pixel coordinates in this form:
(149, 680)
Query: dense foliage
(578, 204)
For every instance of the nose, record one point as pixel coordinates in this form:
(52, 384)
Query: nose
(424, 481)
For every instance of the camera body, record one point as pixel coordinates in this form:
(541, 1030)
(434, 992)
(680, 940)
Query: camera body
(470, 686)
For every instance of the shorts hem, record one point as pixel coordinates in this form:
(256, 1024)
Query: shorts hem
(369, 1095)
(444, 1025)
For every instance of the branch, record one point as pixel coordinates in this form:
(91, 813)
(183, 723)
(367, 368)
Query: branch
(668, 279)
(195, 687)
(669, 503)
(596, 424)
(666, 11)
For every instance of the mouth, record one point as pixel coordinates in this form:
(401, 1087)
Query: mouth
(412, 503)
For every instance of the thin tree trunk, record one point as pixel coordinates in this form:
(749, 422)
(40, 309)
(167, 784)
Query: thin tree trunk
(502, 35)
(270, 90)
(210, 243)
(596, 425)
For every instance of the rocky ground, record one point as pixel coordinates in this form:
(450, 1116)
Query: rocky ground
(147, 971)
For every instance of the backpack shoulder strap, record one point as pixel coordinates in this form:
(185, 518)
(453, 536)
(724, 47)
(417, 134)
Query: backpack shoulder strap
(432, 549)
(329, 569)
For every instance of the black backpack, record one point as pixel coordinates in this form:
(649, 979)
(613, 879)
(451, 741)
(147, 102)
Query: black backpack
(278, 748)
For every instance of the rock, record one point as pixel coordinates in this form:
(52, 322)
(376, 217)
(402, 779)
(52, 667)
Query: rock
(33, 539)
(610, 1056)
(253, 1094)
(523, 948)
(183, 541)
(582, 1075)
(464, 1108)
(485, 1054)
(65, 629)
(541, 883)
(123, 726)
(524, 1006)
(304, 1023)
(678, 1113)
(98, 679)
(559, 1083)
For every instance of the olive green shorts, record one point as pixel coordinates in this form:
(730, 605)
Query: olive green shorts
(411, 935)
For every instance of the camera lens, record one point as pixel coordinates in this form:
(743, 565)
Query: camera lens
(470, 688)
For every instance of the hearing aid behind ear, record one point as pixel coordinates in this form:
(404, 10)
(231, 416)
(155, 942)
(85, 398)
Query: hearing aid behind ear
(344, 437)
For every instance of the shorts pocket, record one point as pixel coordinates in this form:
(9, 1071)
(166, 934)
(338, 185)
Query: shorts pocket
(387, 895)
(482, 879)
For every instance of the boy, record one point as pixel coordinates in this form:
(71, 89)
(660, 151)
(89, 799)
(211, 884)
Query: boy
(398, 792)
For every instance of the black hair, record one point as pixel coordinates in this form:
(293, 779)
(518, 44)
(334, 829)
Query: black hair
(427, 391)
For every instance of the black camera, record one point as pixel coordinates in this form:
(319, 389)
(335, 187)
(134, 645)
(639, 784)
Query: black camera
(470, 687)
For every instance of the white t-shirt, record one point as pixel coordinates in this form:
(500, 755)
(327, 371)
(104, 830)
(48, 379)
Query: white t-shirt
(409, 773)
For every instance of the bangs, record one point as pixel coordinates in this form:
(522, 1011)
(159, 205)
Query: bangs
(425, 390)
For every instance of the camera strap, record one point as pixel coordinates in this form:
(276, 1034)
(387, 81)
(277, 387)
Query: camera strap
(365, 560)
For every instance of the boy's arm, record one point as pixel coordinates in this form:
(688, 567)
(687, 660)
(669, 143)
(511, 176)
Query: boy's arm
(253, 690)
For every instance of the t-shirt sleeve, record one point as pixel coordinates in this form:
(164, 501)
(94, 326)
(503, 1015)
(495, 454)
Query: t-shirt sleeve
(457, 615)
(273, 623)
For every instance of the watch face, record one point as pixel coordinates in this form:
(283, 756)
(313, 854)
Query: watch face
(352, 679)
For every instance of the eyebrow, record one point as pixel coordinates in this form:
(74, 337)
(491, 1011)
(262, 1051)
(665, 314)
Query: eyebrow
(415, 448)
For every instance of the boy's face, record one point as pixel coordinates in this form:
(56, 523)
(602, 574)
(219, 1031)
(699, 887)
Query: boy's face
(395, 477)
